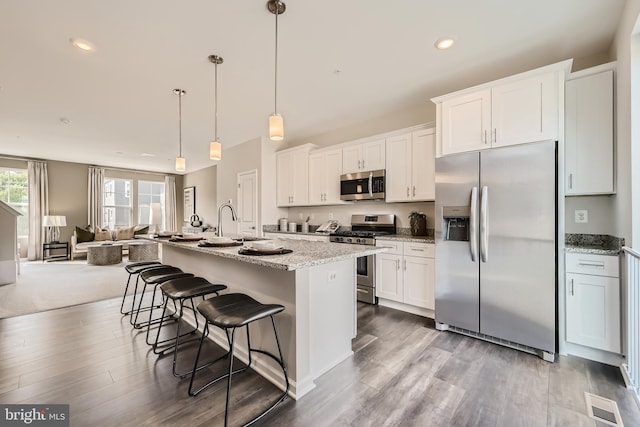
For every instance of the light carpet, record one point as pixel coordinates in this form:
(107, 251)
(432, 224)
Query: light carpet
(50, 285)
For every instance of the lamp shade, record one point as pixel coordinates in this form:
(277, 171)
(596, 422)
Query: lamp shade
(181, 164)
(276, 127)
(215, 150)
(54, 221)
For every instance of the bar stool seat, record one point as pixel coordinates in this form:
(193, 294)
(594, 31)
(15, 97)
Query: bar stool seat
(183, 289)
(155, 277)
(229, 312)
(134, 269)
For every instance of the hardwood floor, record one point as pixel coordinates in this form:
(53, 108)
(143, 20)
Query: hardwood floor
(403, 372)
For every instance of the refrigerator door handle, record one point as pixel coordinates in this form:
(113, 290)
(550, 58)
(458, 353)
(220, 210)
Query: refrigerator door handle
(484, 224)
(370, 183)
(473, 234)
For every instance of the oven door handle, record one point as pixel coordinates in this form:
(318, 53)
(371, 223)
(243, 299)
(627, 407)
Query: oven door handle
(371, 184)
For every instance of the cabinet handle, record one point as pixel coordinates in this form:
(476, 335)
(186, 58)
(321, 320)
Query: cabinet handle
(407, 191)
(404, 263)
(571, 287)
(495, 135)
(570, 181)
(358, 164)
(414, 191)
(485, 136)
(397, 264)
(597, 264)
(417, 249)
(363, 164)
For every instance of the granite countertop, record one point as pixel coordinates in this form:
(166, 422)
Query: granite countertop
(305, 254)
(596, 244)
(407, 238)
(297, 233)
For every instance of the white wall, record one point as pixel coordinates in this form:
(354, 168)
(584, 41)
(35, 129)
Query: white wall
(622, 202)
(205, 182)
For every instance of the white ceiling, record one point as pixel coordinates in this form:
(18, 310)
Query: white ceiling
(119, 99)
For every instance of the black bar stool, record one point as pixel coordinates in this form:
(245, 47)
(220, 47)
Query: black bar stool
(186, 288)
(229, 312)
(154, 277)
(135, 269)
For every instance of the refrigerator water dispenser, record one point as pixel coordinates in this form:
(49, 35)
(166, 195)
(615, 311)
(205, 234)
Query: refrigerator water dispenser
(456, 223)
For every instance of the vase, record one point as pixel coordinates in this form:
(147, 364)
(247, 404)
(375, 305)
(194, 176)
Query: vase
(418, 226)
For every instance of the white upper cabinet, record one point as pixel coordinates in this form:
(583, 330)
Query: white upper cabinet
(410, 172)
(325, 168)
(466, 120)
(589, 141)
(292, 176)
(515, 110)
(365, 156)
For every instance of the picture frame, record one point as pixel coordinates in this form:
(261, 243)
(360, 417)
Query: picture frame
(189, 200)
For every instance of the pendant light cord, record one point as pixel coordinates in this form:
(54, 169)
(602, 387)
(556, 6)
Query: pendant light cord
(215, 104)
(180, 119)
(275, 95)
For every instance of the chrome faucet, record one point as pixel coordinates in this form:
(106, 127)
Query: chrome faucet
(234, 217)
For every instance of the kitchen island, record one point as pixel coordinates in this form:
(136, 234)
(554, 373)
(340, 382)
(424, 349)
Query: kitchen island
(316, 283)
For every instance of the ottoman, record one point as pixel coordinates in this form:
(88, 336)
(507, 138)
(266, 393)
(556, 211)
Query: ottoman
(104, 254)
(143, 251)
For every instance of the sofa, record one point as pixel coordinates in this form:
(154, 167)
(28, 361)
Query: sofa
(85, 237)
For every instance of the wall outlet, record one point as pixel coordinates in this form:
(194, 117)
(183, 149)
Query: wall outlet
(332, 276)
(582, 216)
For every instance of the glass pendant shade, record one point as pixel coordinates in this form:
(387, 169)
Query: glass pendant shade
(181, 164)
(276, 127)
(215, 150)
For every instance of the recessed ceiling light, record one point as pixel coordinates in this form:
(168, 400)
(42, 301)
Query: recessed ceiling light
(82, 45)
(147, 155)
(444, 43)
(64, 120)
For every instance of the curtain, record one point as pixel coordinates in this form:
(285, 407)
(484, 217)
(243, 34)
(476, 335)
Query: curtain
(96, 184)
(38, 207)
(170, 216)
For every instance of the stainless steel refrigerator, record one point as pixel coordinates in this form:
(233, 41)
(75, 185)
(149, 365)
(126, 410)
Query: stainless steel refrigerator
(495, 233)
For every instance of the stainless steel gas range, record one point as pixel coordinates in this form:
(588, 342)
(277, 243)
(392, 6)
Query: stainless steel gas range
(364, 229)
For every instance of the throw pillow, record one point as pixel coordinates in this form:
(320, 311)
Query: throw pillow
(103, 234)
(143, 230)
(124, 233)
(84, 235)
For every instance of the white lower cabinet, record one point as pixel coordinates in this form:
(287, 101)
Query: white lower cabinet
(406, 273)
(593, 301)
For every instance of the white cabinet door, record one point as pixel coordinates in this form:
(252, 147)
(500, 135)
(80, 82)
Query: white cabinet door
(292, 177)
(300, 178)
(325, 169)
(398, 171)
(593, 311)
(333, 170)
(364, 157)
(352, 159)
(283, 178)
(389, 276)
(525, 111)
(419, 278)
(317, 177)
(466, 121)
(589, 135)
(423, 165)
(373, 155)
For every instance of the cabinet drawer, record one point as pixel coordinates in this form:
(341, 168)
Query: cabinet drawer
(424, 250)
(395, 247)
(597, 265)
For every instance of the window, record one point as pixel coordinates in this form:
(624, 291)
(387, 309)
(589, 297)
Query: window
(150, 193)
(14, 190)
(116, 207)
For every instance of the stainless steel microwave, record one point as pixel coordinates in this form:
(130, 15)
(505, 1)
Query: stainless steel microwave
(362, 185)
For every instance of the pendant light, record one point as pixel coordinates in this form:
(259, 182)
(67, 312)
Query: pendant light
(215, 147)
(181, 163)
(276, 122)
